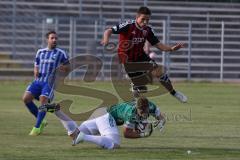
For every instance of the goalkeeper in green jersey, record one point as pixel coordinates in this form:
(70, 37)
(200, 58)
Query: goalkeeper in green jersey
(103, 130)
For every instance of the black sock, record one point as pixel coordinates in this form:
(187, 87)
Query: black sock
(173, 92)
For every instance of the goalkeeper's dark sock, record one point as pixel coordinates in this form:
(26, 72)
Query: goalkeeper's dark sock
(32, 108)
(40, 117)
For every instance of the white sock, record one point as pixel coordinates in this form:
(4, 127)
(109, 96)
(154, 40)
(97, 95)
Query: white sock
(66, 121)
(102, 141)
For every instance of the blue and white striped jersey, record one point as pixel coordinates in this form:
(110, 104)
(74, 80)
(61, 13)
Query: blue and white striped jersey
(47, 61)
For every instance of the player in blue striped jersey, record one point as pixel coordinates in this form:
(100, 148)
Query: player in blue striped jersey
(47, 61)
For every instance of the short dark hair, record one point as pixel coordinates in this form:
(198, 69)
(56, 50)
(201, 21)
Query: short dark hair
(142, 103)
(50, 32)
(144, 10)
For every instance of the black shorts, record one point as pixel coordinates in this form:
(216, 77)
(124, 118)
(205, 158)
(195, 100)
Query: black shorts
(146, 60)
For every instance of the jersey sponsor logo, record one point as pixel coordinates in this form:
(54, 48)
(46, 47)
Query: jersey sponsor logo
(138, 40)
(47, 61)
(144, 33)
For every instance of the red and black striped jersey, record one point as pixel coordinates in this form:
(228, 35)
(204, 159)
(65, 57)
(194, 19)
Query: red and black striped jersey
(132, 39)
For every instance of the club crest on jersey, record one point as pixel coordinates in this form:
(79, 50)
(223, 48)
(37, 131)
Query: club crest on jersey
(54, 56)
(144, 33)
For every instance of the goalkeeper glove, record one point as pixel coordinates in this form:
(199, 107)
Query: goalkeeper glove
(159, 124)
(147, 131)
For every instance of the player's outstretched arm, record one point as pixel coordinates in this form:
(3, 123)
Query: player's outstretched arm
(167, 48)
(106, 35)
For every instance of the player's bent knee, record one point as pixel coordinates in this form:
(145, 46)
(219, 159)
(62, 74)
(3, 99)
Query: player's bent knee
(43, 99)
(115, 139)
(24, 99)
(108, 143)
(157, 72)
(27, 98)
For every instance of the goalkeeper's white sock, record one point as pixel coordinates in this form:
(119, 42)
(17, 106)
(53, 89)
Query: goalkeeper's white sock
(102, 141)
(67, 122)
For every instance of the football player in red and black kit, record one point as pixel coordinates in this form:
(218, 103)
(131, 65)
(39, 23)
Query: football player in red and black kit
(132, 37)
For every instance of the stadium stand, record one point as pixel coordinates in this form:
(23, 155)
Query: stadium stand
(80, 22)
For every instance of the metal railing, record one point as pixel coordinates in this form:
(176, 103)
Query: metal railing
(211, 37)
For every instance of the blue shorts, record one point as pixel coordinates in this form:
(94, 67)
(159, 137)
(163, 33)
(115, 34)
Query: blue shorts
(38, 89)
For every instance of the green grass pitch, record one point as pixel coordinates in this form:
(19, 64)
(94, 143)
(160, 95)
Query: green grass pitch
(208, 125)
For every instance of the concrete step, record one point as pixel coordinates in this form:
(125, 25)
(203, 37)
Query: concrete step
(15, 72)
(4, 56)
